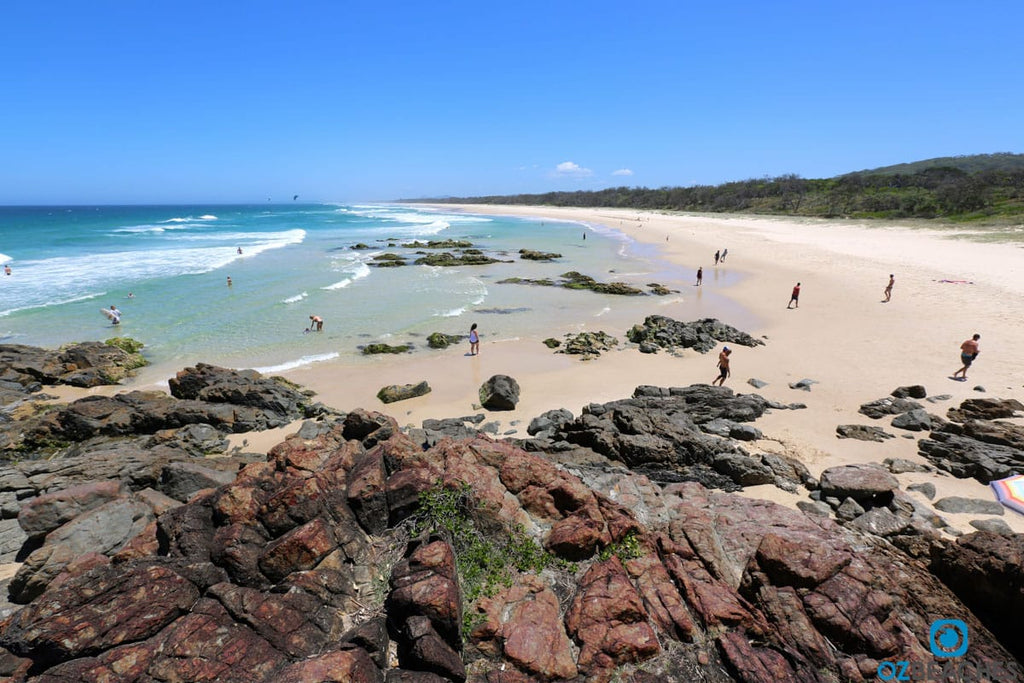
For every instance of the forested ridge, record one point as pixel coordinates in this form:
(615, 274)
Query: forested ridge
(977, 188)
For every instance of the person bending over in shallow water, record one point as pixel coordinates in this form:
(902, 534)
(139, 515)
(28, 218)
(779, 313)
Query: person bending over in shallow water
(316, 323)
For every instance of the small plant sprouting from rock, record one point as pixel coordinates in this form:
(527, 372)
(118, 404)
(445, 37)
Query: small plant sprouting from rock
(487, 555)
(626, 548)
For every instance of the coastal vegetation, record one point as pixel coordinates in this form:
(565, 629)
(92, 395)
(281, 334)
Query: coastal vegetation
(983, 188)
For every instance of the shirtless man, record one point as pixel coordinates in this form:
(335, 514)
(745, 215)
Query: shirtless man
(723, 366)
(888, 287)
(968, 352)
(316, 323)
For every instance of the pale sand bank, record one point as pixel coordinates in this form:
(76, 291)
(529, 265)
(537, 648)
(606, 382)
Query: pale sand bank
(857, 348)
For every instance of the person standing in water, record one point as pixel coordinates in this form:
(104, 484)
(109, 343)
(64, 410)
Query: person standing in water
(316, 323)
(717, 256)
(474, 340)
(700, 275)
(725, 252)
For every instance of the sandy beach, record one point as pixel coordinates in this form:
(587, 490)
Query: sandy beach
(855, 347)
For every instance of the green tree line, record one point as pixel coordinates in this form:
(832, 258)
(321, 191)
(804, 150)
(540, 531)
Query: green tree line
(922, 190)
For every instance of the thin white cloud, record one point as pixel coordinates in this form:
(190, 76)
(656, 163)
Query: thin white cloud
(622, 171)
(572, 170)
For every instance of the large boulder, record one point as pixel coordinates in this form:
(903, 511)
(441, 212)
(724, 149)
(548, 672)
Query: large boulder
(500, 392)
(862, 483)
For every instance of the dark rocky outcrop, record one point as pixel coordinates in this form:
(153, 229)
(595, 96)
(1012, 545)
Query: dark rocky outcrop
(401, 392)
(680, 434)
(308, 566)
(87, 364)
(588, 345)
(986, 571)
(658, 331)
(888, 406)
(254, 580)
(531, 255)
(500, 392)
(576, 280)
(976, 443)
(376, 348)
(439, 340)
(467, 257)
(862, 433)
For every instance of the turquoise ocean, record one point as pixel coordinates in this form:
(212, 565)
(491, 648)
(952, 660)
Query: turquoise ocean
(166, 268)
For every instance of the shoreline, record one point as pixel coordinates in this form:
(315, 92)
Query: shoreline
(855, 347)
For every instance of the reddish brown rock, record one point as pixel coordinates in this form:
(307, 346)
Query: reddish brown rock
(524, 624)
(100, 609)
(577, 537)
(367, 496)
(344, 666)
(291, 622)
(425, 584)
(608, 619)
(299, 549)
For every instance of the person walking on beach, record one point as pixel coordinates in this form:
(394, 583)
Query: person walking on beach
(723, 366)
(725, 252)
(794, 297)
(968, 352)
(717, 256)
(700, 275)
(888, 287)
(474, 340)
(316, 323)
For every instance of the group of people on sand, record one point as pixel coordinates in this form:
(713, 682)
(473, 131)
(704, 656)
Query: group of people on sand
(968, 350)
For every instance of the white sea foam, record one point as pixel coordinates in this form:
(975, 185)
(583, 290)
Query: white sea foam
(292, 364)
(4, 258)
(358, 270)
(59, 280)
(190, 219)
(55, 302)
(295, 299)
(340, 284)
(453, 313)
(604, 310)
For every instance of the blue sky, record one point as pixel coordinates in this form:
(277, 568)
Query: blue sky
(138, 102)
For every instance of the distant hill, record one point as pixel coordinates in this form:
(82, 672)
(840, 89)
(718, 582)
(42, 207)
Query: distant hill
(981, 188)
(971, 164)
